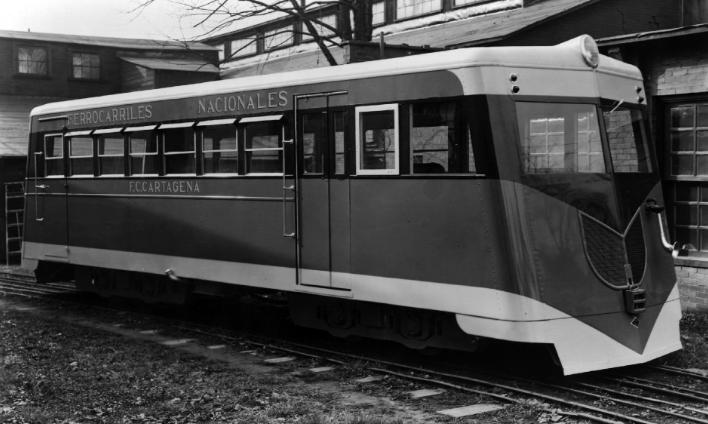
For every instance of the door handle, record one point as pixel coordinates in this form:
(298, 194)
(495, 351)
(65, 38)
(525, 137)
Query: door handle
(42, 186)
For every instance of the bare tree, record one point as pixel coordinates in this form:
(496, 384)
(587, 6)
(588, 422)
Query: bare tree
(354, 18)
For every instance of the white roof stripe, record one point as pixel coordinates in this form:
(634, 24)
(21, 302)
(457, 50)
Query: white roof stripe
(562, 57)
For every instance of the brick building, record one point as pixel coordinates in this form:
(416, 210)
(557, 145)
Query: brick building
(38, 68)
(675, 67)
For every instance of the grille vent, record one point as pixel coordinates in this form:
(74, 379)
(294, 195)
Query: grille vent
(608, 251)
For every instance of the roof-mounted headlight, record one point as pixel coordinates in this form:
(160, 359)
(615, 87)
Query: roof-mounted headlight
(589, 50)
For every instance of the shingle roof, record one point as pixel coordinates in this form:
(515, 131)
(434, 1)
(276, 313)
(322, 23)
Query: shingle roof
(121, 43)
(191, 65)
(489, 28)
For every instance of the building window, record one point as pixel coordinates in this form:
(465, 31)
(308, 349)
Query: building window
(263, 144)
(378, 13)
(53, 155)
(143, 151)
(440, 141)
(32, 61)
(377, 139)
(559, 138)
(80, 154)
(244, 47)
(277, 38)
(688, 167)
(410, 8)
(219, 148)
(322, 31)
(220, 52)
(110, 153)
(86, 66)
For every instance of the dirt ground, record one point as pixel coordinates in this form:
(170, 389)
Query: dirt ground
(59, 371)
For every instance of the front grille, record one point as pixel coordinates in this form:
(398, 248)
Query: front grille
(609, 251)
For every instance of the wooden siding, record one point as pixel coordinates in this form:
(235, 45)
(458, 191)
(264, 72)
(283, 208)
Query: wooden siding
(135, 78)
(14, 122)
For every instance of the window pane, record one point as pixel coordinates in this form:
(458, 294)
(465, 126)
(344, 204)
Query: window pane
(81, 155)
(628, 143)
(143, 153)
(437, 144)
(378, 13)
(704, 216)
(180, 157)
(560, 137)
(339, 164)
(687, 214)
(220, 149)
(263, 142)
(378, 140)
(32, 60)
(110, 144)
(702, 141)
(314, 139)
(244, 47)
(701, 165)
(330, 20)
(682, 141)
(277, 38)
(682, 116)
(682, 165)
(409, 8)
(86, 66)
(702, 120)
(54, 155)
(686, 193)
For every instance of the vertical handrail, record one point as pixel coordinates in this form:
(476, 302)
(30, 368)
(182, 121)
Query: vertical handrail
(285, 189)
(36, 192)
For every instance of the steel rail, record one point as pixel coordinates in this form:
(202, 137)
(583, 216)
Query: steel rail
(644, 398)
(679, 371)
(670, 386)
(648, 387)
(33, 287)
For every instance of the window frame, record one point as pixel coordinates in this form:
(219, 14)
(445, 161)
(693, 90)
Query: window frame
(199, 128)
(152, 129)
(63, 154)
(103, 132)
(246, 150)
(73, 66)
(165, 154)
(399, 18)
(17, 71)
(358, 110)
(86, 134)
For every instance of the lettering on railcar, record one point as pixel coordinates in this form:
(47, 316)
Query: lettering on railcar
(242, 102)
(163, 187)
(110, 115)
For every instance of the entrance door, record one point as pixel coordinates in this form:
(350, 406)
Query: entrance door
(50, 198)
(323, 192)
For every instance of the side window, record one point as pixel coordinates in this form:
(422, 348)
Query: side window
(142, 150)
(440, 140)
(377, 140)
(80, 153)
(219, 140)
(111, 145)
(263, 144)
(314, 142)
(179, 148)
(53, 155)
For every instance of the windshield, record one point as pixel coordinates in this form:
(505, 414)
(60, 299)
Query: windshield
(628, 143)
(560, 138)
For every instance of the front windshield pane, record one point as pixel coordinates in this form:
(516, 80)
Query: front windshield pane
(559, 138)
(628, 143)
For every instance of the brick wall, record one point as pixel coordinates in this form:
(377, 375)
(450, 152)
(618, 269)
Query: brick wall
(693, 286)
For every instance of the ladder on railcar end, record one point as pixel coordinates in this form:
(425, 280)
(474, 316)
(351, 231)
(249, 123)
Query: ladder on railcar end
(14, 218)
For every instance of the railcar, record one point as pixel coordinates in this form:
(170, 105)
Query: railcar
(506, 192)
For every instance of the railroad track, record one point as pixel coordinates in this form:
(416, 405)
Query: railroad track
(599, 397)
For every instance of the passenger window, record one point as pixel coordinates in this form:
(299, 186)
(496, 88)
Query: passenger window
(314, 142)
(143, 152)
(81, 155)
(179, 149)
(110, 153)
(377, 140)
(440, 140)
(263, 146)
(219, 149)
(53, 155)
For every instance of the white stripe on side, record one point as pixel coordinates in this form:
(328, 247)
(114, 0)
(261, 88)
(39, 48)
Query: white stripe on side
(480, 311)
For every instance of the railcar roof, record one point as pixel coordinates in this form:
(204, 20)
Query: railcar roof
(564, 56)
